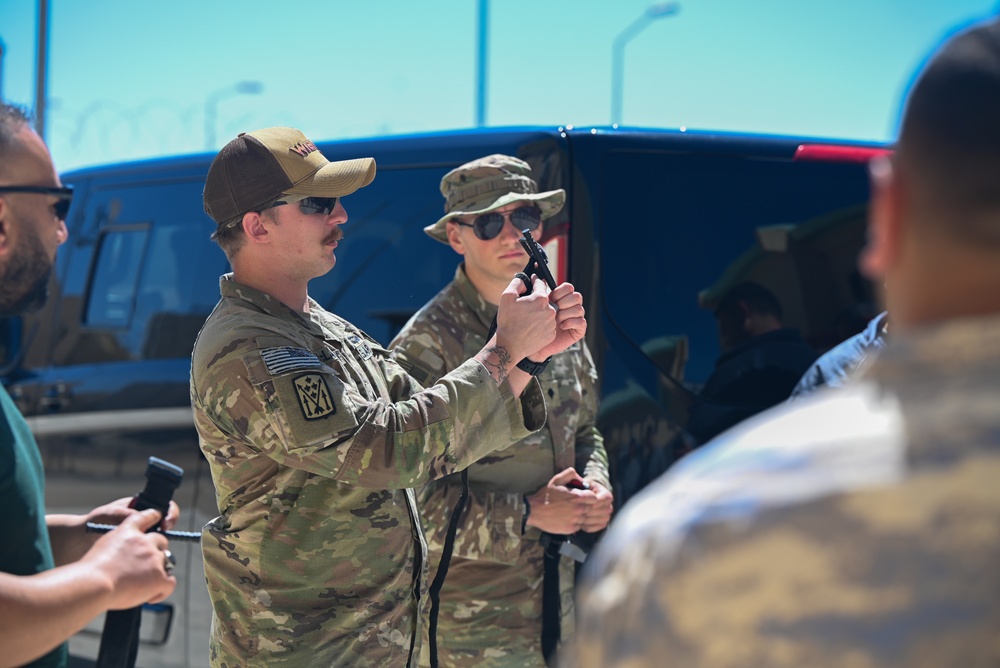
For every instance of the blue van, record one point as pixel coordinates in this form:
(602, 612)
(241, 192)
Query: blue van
(658, 225)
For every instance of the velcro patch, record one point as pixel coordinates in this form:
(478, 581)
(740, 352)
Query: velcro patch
(314, 396)
(364, 351)
(285, 358)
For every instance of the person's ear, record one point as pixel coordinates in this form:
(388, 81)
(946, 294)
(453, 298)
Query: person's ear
(454, 238)
(254, 227)
(882, 250)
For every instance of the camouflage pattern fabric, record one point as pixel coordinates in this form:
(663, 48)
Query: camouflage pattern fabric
(491, 601)
(314, 436)
(858, 527)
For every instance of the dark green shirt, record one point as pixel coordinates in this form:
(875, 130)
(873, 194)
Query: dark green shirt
(25, 549)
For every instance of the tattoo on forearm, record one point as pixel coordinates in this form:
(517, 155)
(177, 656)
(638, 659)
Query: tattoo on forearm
(498, 368)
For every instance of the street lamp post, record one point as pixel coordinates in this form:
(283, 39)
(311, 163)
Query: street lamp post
(42, 67)
(212, 102)
(654, 11)
(481, 62)
(2, 47)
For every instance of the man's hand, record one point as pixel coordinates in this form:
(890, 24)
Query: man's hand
(125, 568)
(133, 562)
(599, 514)
(116, 511)
(559, 509)
(525, 323)
(571, 321)
(68, 536)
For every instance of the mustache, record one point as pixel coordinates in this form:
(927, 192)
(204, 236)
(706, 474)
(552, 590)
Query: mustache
(336, 235)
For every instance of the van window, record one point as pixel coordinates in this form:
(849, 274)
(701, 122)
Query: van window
(116, 271)
(178, 288)
(675, 242)
(151, 271)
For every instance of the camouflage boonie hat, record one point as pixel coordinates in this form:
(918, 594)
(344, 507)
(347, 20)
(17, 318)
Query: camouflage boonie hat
(488, 184)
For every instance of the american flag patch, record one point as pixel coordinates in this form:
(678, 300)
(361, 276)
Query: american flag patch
(284, 359)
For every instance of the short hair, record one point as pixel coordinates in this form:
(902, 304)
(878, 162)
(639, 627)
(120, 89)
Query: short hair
(230, 237)
(950, 133)
(755, 296)
(12, 119)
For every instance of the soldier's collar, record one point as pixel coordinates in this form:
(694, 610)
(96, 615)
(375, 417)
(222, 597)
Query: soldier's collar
(228, 287)
(484, 310)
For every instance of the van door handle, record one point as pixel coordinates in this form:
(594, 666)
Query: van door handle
(56, 398)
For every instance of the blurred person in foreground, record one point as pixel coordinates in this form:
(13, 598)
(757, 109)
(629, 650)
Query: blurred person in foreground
(859, 527)
(506, 600)
(316, 437)
(54, 576)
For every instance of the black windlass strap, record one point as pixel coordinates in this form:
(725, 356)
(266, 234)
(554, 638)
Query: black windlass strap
(442, 571)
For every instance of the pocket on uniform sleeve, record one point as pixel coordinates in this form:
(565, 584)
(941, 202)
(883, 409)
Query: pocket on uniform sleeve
(306, 403)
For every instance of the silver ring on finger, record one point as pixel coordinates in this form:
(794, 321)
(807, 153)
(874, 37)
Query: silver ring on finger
(169, 561)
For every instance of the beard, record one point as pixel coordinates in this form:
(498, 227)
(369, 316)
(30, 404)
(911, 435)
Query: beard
(24, 281)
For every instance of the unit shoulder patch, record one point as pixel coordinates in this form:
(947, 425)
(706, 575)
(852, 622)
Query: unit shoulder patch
(314, 396)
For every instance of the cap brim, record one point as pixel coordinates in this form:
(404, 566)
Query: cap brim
(336, 179)
(550, 203)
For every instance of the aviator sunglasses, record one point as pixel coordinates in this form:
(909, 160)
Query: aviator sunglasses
(488, 225)
(60, 208)
(311, 205)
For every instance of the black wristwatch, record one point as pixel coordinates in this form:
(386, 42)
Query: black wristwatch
(533, 368)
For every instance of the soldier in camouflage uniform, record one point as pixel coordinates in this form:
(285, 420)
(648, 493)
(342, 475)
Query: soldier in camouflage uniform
(315, 436)
(858, 527)
(492, 598)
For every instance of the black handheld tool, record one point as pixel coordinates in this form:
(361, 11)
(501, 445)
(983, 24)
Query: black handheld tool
(120, 638)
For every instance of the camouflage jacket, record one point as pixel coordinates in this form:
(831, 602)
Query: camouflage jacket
(858, 527)
(314, 436)
(491, 601)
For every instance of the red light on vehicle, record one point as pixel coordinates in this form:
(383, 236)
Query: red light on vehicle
(832, 153)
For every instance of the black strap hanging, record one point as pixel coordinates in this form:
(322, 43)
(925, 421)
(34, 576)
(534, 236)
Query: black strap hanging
(442, 571)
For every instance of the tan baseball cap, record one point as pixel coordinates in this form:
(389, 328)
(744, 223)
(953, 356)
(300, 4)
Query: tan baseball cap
(257, 167)
(488, 184)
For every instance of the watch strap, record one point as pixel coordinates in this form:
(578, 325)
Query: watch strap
(533, 368)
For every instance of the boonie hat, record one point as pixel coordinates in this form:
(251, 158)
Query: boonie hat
(257, 167)
(488, 184)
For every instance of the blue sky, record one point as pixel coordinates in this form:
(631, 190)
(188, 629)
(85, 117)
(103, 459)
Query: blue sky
(131, 78)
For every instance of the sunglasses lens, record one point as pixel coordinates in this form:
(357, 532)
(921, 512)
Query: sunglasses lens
(323, 205)
(61, 208)
(488, 225)
(526, 217)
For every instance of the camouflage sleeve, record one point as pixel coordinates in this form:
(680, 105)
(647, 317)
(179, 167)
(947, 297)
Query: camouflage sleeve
(591, 457)
(489, 528)
(315, 420)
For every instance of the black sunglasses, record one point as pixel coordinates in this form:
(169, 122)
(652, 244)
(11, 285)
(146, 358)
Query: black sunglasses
(488, 225)
(311, 205)
(60, 208)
